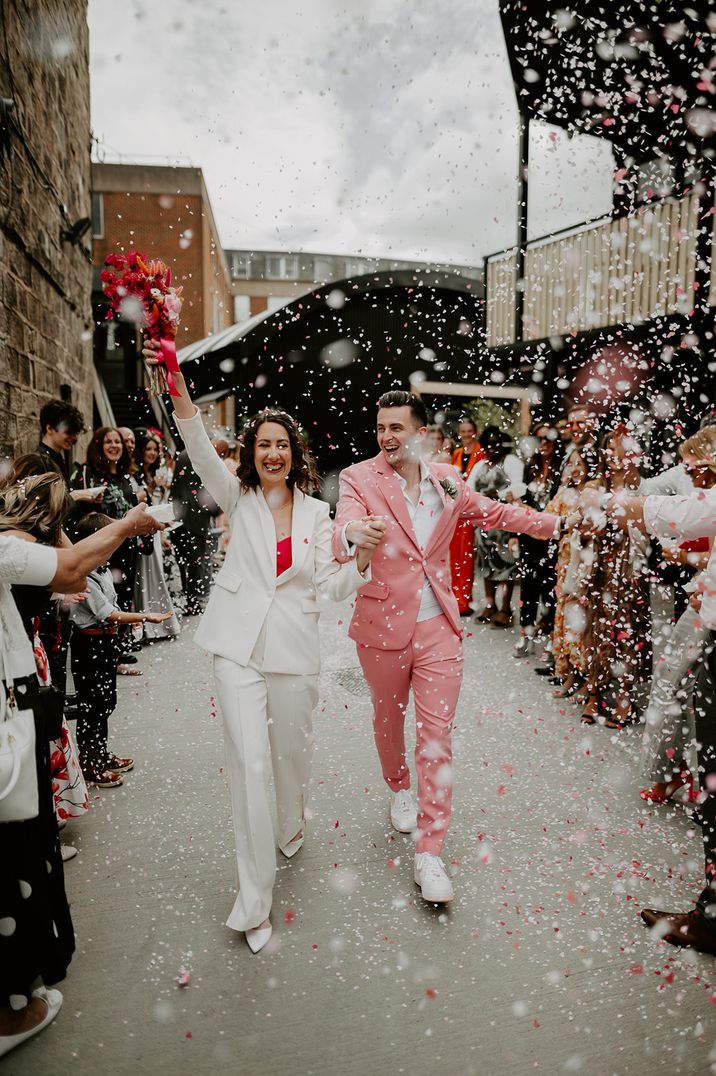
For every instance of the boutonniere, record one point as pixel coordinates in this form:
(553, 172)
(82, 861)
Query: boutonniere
(449, 486)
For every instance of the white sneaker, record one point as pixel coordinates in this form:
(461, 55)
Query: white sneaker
(431, 877)
(403, 812)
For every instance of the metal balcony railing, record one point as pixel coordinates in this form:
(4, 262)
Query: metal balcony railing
(610, 272)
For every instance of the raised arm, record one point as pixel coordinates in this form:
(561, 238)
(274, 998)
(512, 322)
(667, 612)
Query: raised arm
(219, 482)
(494, 515)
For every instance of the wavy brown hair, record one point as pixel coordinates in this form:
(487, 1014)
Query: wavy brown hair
(38, 505)
(303, 472)
(96, 459)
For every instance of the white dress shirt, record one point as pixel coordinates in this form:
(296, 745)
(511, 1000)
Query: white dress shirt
(683, 519)
(424, 515)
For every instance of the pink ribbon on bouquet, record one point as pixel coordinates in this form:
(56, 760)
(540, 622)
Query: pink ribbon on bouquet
(169, 360)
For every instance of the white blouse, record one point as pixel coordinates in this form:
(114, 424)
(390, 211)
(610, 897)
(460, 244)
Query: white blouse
(30, 564)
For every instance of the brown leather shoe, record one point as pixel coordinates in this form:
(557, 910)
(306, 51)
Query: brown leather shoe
(119, 765)
(502, 620)
(686, 929)
(486, 615)
(102, 778)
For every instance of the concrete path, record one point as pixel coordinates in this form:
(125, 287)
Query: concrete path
(541, 963)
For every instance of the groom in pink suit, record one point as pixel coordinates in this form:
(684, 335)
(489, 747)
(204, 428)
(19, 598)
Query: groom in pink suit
(406, 622)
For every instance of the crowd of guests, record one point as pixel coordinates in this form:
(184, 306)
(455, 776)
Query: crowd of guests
(588, 598)
(136, 576)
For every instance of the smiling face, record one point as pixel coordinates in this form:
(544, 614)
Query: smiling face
(272, 454)
(399, 435)
(129, 439)
(467, 433)
(60, 439)
(112, 447)
(151, 453)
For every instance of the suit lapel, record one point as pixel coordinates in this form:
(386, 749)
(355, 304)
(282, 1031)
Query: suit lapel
(268, 531)
(301, 532)
(447, 515)
(392, 492)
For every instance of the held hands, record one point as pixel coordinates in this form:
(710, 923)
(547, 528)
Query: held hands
(371, 531)
(366, 533)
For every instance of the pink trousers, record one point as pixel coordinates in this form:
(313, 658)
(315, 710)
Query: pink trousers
(432, 665)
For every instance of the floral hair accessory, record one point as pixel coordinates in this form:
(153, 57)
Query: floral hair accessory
(141, 290)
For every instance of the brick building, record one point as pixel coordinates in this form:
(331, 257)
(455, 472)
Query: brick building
(164, 212)
(45, 202)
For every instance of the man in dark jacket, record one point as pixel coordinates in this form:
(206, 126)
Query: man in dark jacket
(192, 541)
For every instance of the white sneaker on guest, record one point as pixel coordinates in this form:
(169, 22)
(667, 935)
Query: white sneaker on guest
(403, 811)
(431, 877)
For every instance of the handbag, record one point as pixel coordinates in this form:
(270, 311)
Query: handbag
(19, 799)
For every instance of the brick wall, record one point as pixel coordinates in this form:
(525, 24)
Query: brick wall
(165, 213)
(45, 282)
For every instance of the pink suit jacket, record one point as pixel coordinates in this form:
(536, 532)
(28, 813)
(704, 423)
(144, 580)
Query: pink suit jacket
(386, 609)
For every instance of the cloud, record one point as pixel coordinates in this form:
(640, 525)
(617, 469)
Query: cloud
(389, 128)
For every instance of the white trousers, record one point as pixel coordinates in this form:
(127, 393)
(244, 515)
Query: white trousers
(267, 726)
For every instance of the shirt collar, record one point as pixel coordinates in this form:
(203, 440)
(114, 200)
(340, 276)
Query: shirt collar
(424, 475)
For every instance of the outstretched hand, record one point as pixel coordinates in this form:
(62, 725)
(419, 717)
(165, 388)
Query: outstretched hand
(140, 522)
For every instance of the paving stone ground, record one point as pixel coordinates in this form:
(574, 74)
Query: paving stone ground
(541, 964)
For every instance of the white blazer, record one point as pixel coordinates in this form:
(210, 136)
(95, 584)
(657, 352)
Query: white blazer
(247, 594)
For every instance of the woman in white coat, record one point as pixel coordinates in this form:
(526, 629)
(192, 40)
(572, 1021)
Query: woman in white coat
(261, 625)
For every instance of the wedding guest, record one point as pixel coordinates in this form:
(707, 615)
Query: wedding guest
(37, 941)
(129, 440)
(261, 625)
(108, 465)
(687, 518)
(620, 651)
(582, 430)
(499, 474)
(150, 588)
(571, 635)
(462, 546)
(194, 509)
(94, 665)
(537, 560)
(436, 450)
(40, 508)
(670, 732)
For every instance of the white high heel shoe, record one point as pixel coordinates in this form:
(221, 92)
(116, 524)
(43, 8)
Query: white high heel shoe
(53, 1000)
(293, 846)
(257, 937)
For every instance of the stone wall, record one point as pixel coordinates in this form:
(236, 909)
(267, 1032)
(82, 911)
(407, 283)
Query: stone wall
(45, 280)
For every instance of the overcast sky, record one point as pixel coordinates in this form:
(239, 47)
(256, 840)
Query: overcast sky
(382, 127)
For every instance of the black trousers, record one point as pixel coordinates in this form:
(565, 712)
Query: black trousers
(193, 552)
(538, 575)
(94, 671)
(705, 709)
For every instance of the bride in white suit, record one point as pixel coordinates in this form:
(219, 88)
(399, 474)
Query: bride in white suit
(261, 625)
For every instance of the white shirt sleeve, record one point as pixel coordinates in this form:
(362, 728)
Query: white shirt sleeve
(682, 518)
(26, 562)
(675, 480)
(514, 468)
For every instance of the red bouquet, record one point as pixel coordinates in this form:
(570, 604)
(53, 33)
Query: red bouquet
(141, 290)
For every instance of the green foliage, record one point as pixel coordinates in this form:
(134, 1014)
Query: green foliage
(491, 413)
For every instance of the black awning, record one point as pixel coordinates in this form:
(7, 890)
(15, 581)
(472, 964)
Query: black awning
(634, 73)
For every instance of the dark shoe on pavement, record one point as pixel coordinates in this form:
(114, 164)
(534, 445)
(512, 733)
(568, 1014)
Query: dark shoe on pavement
(485, 615)
(119, 765)
(545, 670)
(687, 929)
(127, 659)
(102, 778)
(502, 620)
